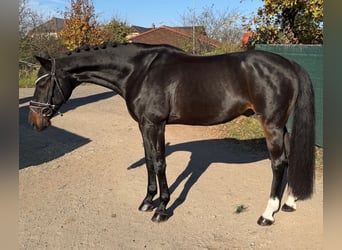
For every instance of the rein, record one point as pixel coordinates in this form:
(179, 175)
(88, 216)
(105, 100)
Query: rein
(48, 109)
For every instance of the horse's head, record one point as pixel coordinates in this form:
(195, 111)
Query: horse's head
(52, 89)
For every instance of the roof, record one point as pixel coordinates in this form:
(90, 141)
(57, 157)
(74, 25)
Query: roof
(246, 39)
(139, 29)
(54, 25)
(175, 36)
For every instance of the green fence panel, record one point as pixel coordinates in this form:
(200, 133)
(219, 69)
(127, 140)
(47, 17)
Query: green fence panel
(311, 58)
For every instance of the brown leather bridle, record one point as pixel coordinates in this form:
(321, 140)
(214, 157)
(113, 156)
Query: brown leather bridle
(48, 109)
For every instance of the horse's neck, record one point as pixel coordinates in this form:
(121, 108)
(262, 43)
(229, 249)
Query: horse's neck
(105, 78)
(101, 70)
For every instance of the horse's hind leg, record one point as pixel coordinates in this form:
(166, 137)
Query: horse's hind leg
(275, 144)
(154, 146)
(290, 204)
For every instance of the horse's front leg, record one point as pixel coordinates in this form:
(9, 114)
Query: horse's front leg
(146, 205)
(154, 146)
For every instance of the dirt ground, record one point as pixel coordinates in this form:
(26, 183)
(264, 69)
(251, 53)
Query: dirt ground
(81, 182)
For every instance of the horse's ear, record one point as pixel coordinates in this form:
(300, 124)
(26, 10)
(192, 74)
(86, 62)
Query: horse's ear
(45, 62)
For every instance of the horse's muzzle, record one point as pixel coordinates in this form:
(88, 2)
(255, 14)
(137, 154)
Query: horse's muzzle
(38, 122)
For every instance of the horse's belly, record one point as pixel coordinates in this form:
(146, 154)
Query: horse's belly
(198, 115)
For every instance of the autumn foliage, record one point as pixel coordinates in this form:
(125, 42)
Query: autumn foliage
(80, 26)
(290, 22)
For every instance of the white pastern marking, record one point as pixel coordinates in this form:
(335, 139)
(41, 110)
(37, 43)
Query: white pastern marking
(272, 206)
(291, 201)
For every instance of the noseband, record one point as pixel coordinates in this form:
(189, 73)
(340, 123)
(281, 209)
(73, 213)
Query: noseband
(48, 109)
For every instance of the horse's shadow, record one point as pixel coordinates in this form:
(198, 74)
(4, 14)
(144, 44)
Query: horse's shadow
(38, 147)
(205, 152)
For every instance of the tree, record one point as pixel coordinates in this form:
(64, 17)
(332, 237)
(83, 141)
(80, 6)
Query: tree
(221, 25)
(290, 22)
(28, 18)
(30, 41)
(80, 25)
(116, 31)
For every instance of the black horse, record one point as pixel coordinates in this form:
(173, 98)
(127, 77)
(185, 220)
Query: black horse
(164, 85)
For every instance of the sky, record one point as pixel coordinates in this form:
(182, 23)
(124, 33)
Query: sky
(145, 12)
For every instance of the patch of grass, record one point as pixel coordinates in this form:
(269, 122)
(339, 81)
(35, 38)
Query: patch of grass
(241, 128)
(27, 78)
(319, 158)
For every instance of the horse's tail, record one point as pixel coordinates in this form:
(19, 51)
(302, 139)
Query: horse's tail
(301, 170)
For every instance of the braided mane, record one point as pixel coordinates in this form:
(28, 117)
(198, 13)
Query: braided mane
(106, 45)
(95, 47)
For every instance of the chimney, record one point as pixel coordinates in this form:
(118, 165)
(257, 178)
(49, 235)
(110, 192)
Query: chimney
(153, 26)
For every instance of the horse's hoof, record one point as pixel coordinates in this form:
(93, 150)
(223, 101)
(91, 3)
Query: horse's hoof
(264, 222)
(146, 207)
(287, 208)
(160, 217)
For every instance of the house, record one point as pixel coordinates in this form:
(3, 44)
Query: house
(50, 28)
(186, 38)
(137, 30)
(191, 39)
